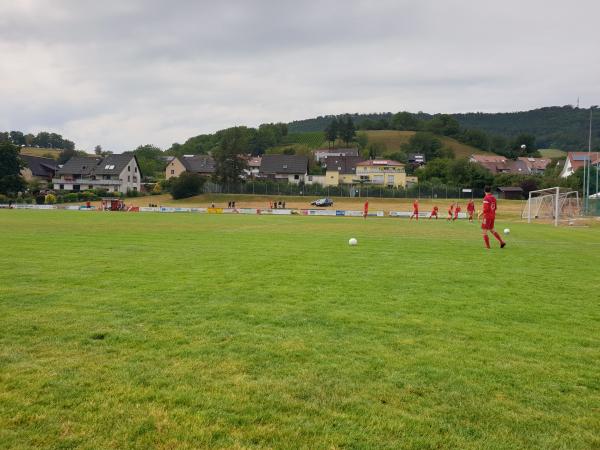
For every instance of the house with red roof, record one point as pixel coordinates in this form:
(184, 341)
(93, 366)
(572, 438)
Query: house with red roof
(576, 160)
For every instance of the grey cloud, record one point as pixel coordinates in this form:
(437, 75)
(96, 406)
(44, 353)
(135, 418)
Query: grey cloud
(123, 73)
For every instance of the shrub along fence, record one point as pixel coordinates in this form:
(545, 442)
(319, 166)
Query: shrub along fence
(317, 190)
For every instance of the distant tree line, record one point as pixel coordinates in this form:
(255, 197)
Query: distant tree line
(424, 141)
(43, 139)
(461, 172)
(563, 127)
(342, 128)
(255, 140)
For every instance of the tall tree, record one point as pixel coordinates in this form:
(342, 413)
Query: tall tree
(443, 124)
(332, 132)
(11, 180)
(362, 139)
(42, 139)
(523, 144)
(405, 121)
(229, 163)
(17, 138)
(65, 155)
(151, 161)
(424, 143)
(347, 130)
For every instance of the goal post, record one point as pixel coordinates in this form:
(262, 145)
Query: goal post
(554, 204)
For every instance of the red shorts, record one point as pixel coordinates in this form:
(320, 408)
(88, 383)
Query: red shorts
(487, 223)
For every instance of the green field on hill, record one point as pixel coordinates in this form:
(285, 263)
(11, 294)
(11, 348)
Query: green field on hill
(552, 153)
(392, 140)
(138, 331)
(45, 152)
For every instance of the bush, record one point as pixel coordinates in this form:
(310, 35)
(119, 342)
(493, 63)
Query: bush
(186, 185)
(132, 193)
(50, 199)
(71, 197)
(39, 199)
(4, 198)
(100, 192)
(87, 196)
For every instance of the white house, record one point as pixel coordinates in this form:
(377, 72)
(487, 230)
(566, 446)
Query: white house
(290, 168)
(115, 173)
(575, 160)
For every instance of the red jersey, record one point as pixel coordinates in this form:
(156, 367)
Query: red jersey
(366, 209)
(471, 207)
(415, 206)
(489, 206)
(451, 209)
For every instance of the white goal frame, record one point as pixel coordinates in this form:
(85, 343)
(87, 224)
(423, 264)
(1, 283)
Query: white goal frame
(558, 198)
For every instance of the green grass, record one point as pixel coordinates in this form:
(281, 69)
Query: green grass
(205, 331)
(393, 140)
(313, 139)
(34, 151)
(552, 153)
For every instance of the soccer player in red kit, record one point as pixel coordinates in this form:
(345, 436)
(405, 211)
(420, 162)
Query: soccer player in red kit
(366, 209)
(456, 211)
(434, 213)
(471, 210)
(415, 213)
(450, 211)
(489, 216)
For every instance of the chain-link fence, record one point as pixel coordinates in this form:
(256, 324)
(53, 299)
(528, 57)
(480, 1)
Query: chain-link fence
(316, 190)
(593, 207)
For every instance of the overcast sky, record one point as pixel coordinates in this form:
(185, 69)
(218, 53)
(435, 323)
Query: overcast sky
(121, 73)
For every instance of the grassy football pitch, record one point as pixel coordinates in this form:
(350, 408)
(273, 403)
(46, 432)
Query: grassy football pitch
(181, 331)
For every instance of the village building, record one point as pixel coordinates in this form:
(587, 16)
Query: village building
(291, 168)
(322, 153)
(576, 160)
(498, 164)
(114, 173)
(38, 169)
(341, 170)
(383, 172)
(199, 164)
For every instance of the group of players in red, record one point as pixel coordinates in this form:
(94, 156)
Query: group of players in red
(488, 213)
(453, 211)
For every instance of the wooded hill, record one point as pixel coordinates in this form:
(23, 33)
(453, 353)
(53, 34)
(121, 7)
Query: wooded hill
(562, 127)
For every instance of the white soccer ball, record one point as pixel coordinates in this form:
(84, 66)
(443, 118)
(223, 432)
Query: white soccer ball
(523, 146)
(506, 231)
(352, 241)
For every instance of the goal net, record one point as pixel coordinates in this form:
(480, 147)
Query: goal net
(556, 204)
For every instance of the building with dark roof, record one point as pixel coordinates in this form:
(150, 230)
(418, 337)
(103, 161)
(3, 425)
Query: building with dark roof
(322, 153)
(38, 169)
(293, 168)
(501, 164)
(115, 173)
(340, 169)
(200, 164)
